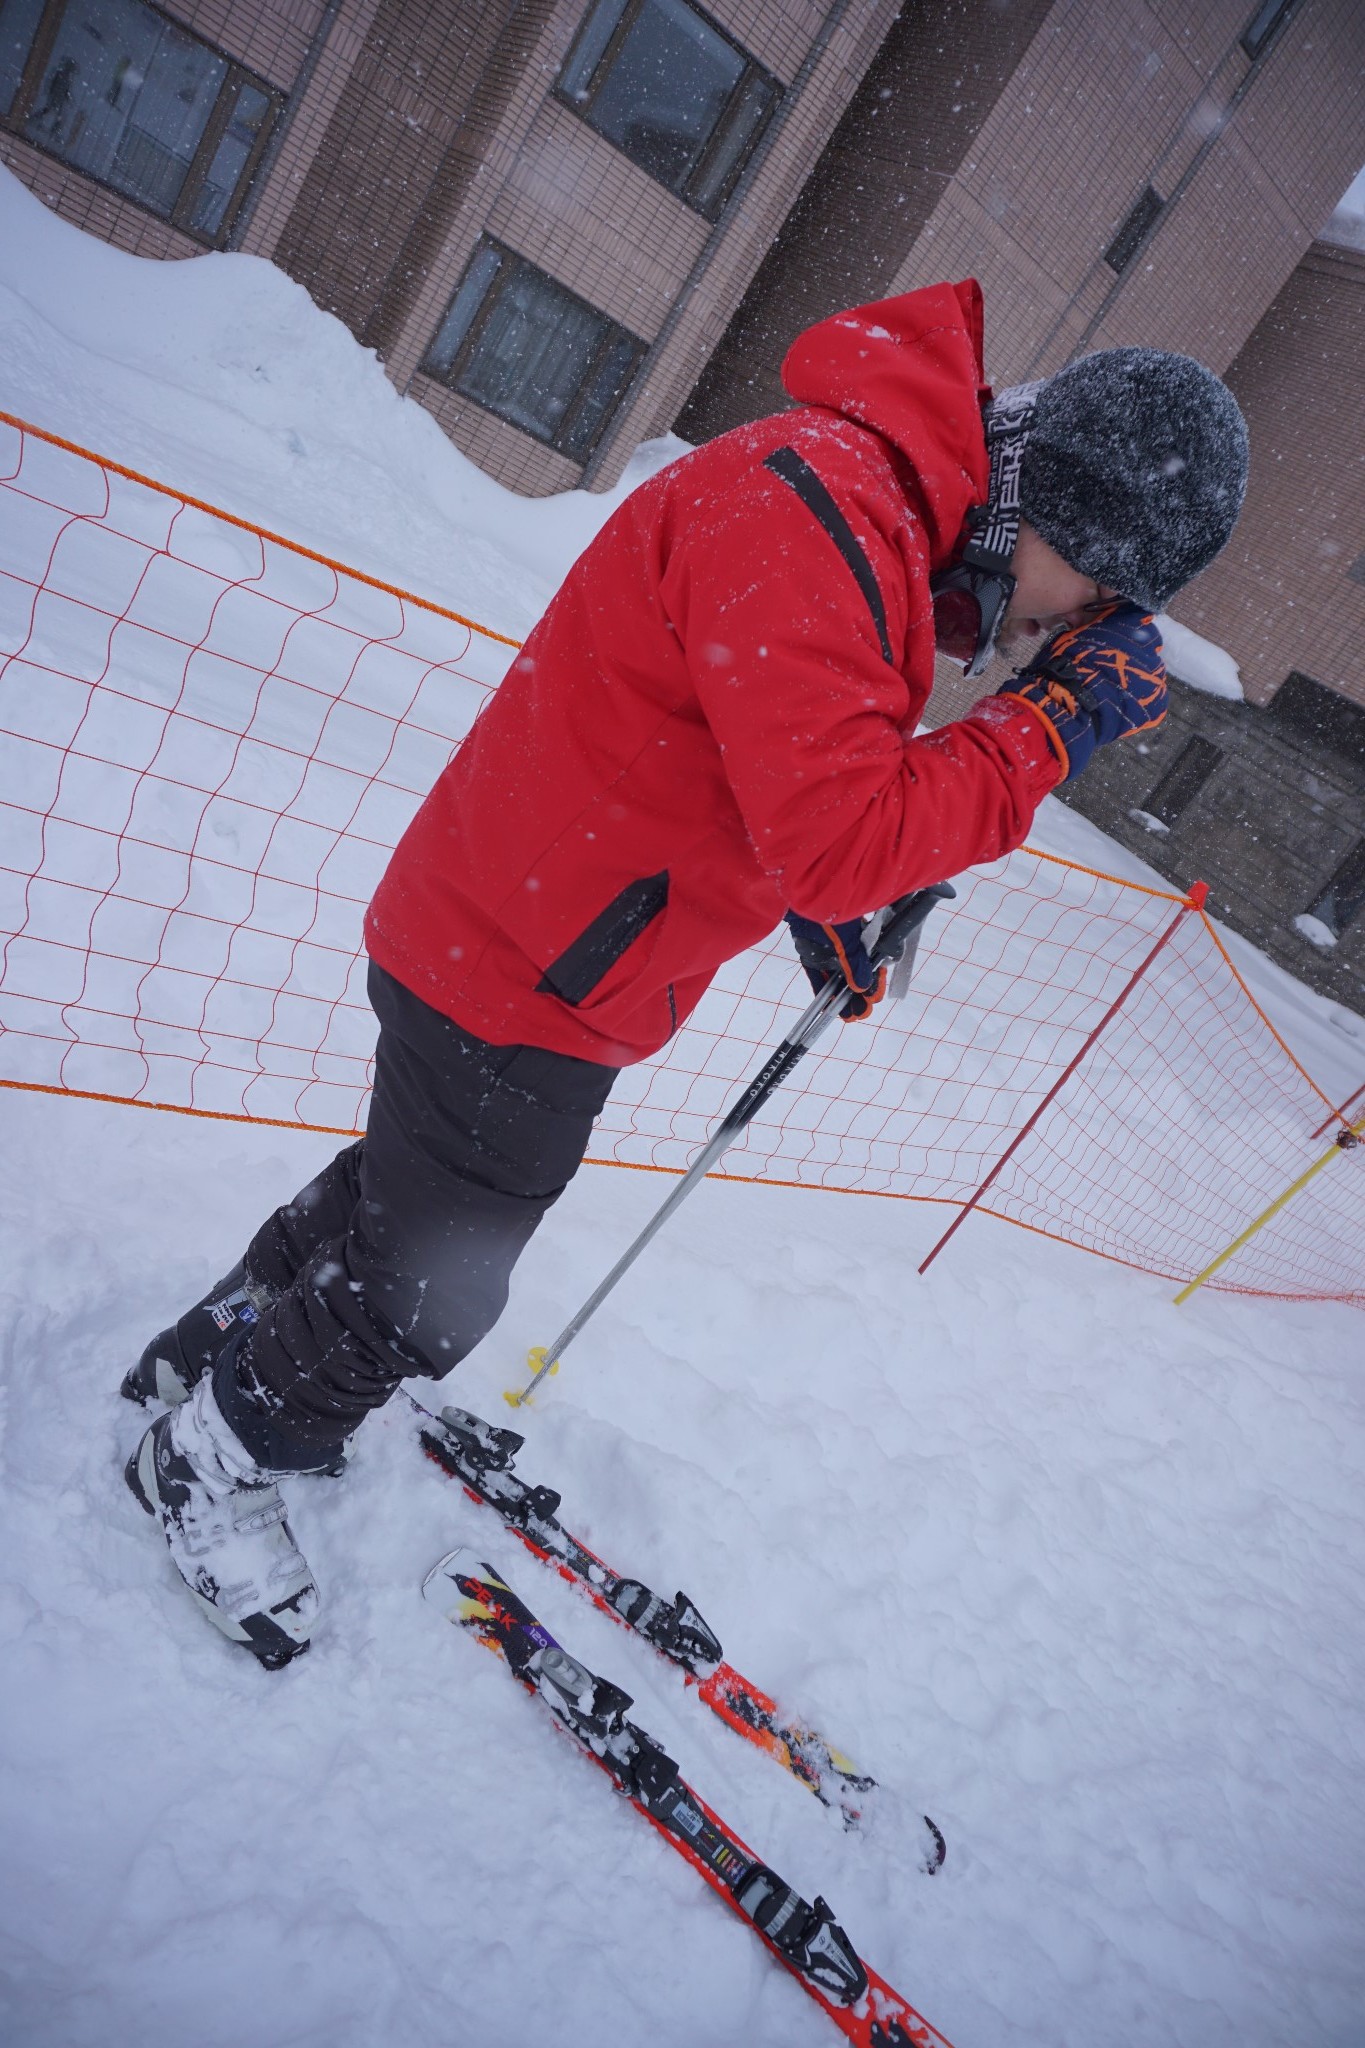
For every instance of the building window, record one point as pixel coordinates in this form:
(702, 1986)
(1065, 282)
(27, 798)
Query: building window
(1326, 717)
(1134, 231)
(523, 347)
(18, 24)
(661, 81)
(1342, 901)
(1260, 30)
(1183, 780)
(131, 98)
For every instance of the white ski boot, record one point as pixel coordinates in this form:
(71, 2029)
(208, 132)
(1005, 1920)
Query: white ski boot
(225, 1523)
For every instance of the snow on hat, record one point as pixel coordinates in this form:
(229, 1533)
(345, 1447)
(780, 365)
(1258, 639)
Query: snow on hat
(1135, 469)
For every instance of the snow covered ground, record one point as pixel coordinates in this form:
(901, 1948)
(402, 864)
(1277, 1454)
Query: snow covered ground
(1076, 1572)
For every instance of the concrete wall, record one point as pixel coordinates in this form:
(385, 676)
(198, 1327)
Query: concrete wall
(1267, 830)
(910, 126)
(1250, 158)
(1011, 144)
(1289, 591)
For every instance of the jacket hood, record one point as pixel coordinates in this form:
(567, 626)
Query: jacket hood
(911, 369)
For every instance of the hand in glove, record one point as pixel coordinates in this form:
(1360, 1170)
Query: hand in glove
(829, 949)
(1096, 682)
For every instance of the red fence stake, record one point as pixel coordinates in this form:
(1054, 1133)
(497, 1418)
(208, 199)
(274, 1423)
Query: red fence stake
(1338, 1116)
(1196, 900)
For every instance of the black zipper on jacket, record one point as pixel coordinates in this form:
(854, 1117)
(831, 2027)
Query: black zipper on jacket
(815, 496)
(576, 972)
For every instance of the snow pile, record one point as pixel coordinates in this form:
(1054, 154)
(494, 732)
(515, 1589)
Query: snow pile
(219, 376)
(1200, 663)
(1074, 1571)
(1148, 822)
(1316, 932)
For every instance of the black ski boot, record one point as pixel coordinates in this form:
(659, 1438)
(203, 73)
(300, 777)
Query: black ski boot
(226, 1528)
(174, 1363)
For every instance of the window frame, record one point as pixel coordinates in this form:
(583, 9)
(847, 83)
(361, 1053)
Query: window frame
(235, 78)
(1187, 777)
(1269, 18)
(752, 75)
(1348, 876)
(1135, 230)
(560, 439)
(1324, 716)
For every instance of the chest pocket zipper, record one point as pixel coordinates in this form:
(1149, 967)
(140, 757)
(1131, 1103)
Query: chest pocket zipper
(587, 959)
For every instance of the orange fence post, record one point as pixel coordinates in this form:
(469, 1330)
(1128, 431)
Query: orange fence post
(1195, 901)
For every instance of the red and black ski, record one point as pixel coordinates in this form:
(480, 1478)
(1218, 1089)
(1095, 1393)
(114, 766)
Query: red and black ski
(481, 1456)
(805, 1938)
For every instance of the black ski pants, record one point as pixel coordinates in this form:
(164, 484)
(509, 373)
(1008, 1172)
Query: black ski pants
(396, 1260)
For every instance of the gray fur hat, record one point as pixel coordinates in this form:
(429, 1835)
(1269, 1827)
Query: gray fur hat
(1135, 469)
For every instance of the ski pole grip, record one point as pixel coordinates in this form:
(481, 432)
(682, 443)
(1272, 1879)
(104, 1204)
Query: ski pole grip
(905, 920)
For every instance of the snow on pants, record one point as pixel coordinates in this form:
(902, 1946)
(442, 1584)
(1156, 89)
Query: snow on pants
(396, 1260)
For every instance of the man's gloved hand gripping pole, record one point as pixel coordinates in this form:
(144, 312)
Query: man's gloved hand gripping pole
(829, 950)
(1089, 684)
(897, 937)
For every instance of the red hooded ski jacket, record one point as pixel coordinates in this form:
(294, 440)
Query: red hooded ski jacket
(714, 721)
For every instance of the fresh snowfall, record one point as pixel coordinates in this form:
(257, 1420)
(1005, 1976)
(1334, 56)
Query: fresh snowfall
(1075, 1571)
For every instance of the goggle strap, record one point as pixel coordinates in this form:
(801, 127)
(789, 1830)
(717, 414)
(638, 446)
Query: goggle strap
(995, 525)
(1008, 423)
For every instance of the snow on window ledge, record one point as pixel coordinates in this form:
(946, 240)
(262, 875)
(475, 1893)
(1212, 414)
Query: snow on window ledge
(1316, 932)
(1198, 662)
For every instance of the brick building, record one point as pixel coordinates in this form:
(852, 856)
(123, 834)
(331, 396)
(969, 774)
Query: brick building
(567, 225)
(542, 213)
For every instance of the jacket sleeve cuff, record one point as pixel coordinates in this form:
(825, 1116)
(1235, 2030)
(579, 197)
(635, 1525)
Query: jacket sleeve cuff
(1028, 737)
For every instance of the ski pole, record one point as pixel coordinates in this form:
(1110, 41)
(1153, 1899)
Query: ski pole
(898, 937)
(1346, 1140)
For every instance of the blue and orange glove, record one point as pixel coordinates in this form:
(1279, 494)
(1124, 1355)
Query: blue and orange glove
(829, 949)
(1096, 682)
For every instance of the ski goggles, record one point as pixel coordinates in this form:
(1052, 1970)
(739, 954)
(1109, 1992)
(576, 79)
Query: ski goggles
(970, 603)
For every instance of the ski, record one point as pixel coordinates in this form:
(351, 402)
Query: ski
(481, 1457)
(805, 1938)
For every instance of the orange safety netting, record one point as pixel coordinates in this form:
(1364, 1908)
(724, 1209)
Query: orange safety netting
(210, 738)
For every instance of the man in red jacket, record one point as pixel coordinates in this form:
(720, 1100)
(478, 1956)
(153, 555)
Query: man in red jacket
(713, 726)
